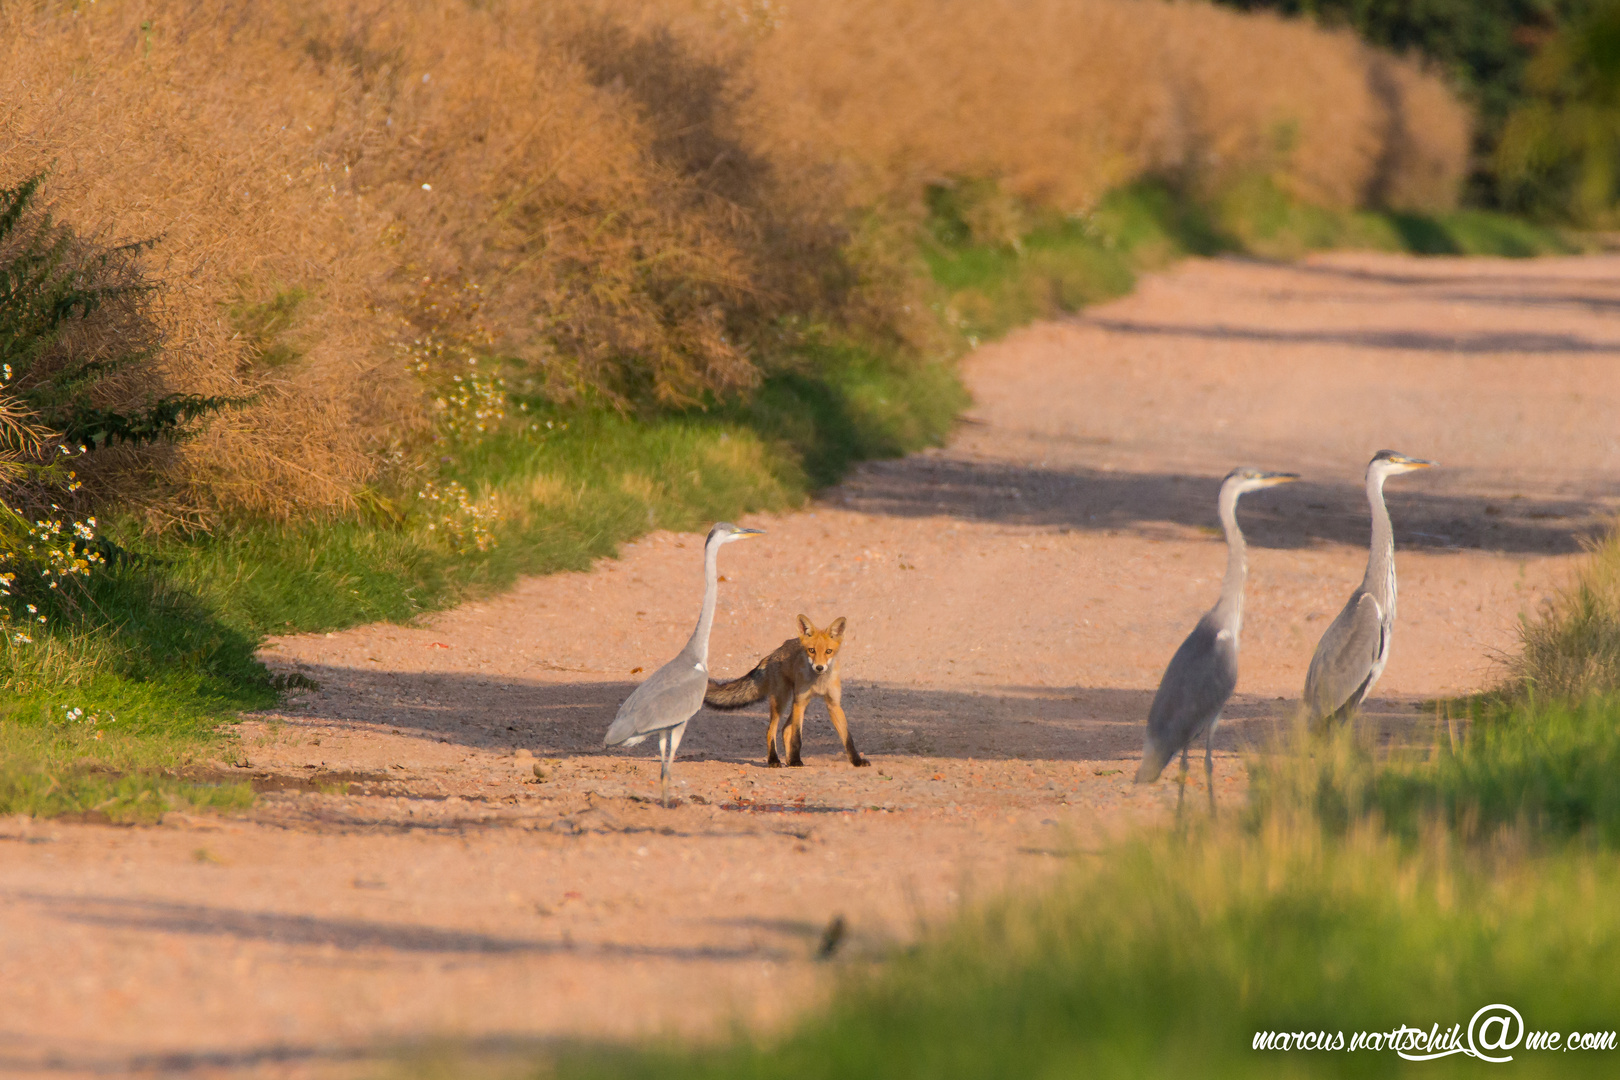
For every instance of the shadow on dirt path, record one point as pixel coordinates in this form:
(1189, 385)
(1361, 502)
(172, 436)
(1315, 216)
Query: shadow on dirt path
(1295, 516)
(566, 719)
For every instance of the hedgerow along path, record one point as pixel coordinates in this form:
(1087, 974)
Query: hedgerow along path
(407, 875)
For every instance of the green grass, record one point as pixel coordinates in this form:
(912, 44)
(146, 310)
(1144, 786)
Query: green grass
(1546, 768)
(1552, 768)
(1260, 219)
(120, 692)
(1058, 265)
(571, 492)
(565, 499)
(50, 767)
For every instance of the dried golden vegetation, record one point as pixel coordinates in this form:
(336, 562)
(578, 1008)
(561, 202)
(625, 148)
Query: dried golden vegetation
(656, 201)
(1063, 99)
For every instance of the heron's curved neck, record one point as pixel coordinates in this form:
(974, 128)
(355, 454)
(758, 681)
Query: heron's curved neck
(698, 646)
(1380, 579)
(1230, 608)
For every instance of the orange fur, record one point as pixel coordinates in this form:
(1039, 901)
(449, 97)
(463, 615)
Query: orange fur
(801, 668)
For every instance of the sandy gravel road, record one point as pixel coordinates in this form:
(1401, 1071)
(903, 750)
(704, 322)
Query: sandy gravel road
(1012, 601)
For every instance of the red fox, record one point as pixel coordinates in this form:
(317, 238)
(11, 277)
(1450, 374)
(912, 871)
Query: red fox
(801, 668)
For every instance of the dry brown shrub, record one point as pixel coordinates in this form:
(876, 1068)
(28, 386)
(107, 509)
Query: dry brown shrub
(584, 175)
(1427, 138)
(141, 134)
(645, 194)
(1063, 99)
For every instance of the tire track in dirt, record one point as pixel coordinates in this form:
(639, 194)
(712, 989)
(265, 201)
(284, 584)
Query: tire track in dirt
(1012, 601)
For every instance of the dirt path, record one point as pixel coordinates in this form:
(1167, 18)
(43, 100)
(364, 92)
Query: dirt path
(1012, 602)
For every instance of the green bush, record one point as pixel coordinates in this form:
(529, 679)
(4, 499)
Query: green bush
(77, 337)
(1487, 48)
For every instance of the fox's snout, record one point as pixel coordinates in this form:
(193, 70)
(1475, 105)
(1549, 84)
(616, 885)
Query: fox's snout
(818, 668)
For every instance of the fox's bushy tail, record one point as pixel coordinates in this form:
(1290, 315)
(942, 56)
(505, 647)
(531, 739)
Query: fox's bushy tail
(739, 692)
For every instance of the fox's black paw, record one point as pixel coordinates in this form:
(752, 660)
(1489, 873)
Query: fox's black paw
(860, 763)
(773, 763)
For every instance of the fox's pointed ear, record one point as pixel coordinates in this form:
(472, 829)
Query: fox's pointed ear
(806, 627)
(837, 627)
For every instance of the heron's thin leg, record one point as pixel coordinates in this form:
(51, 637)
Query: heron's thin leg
(1181, 782)
(663, 767)
(674, 745)
(1209, 766)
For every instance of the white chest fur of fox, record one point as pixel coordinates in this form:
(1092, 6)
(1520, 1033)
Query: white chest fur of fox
(817, 681)
(799, 669)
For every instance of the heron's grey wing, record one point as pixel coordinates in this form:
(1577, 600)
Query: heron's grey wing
(1345, 657)
(1195, 688)
(670, 696)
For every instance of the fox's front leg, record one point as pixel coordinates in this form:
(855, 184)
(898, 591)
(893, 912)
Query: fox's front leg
(795, 730)
(841, 723)
(771, 760)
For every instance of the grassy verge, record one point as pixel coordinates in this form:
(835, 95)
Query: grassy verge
(1548, 767)
(1054, 265)
(569, 488)
(119, 696)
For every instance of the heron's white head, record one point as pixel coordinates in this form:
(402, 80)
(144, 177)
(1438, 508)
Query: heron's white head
(725, 532)
(1246, 479)
(1388, 463)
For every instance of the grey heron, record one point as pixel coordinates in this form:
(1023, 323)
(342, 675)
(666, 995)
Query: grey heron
(1354, 648)
(674, 693)
(1203, 672)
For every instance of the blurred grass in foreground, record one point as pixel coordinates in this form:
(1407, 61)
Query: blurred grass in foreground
(1543, 773)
